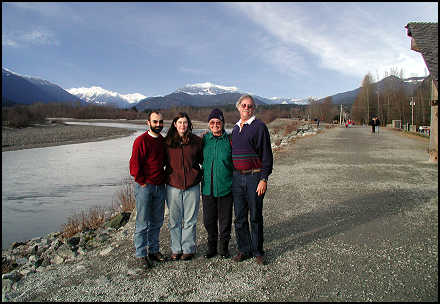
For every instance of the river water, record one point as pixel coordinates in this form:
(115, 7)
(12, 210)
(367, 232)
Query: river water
(42, 187)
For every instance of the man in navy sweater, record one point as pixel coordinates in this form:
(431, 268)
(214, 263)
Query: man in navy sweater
(253, 161)
(147, 167)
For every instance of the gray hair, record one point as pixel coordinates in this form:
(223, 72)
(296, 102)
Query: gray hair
(237, 105)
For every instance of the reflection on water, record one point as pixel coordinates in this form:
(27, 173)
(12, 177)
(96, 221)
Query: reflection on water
(42, 187)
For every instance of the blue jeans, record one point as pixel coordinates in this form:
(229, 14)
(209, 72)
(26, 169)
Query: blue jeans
(150, 207)
(184, 208)
(247, 202)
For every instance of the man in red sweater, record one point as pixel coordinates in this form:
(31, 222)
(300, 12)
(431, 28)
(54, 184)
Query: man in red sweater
(147, 167)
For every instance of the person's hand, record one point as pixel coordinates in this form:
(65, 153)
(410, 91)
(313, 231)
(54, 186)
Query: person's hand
(261, 188)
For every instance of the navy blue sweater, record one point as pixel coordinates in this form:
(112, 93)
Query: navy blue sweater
(251, 148)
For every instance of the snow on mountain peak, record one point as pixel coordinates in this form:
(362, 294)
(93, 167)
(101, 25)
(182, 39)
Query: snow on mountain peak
(206, 88)
(90, 94)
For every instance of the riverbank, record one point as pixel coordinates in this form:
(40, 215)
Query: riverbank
(55, 134)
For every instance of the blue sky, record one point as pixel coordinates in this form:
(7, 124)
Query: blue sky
(285, 49)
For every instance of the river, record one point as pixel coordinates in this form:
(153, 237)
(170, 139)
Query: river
(42, 187)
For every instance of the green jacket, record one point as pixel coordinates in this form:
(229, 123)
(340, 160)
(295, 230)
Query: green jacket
(217, 165)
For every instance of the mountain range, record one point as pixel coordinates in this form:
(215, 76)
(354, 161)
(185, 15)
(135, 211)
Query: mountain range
(20, 89)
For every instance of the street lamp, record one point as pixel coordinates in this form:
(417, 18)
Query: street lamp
(412, 103)
(378, 112)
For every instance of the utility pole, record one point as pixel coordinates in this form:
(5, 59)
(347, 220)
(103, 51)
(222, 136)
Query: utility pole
(388, 113)
(368, 108)
(378, 112)
(412, 104)
(340, 116)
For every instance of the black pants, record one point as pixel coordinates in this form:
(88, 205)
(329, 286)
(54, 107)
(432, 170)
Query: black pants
(217, 217)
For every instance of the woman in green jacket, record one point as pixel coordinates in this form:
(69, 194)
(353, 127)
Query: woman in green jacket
(216, 185)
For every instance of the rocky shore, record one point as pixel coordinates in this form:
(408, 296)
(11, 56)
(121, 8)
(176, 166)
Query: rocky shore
(345, 220)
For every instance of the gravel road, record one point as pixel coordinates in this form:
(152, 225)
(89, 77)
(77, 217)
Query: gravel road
(349, 216)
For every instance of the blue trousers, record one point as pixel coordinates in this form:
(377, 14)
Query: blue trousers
(150, 207)
(184, 209)
(248, 203)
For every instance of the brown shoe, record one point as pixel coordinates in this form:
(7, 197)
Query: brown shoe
(175, 256)
(187, 256)
(260, 260)
(158, 257)
(240, 257)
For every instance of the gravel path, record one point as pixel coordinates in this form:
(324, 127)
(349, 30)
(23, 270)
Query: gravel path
(349, 216)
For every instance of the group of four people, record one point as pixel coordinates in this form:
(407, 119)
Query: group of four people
(232, 169)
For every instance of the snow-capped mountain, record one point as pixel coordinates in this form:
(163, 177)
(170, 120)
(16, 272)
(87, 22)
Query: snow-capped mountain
(101, 96)
(206, 88)
(287, 100)
(23, 89)
(207, 94)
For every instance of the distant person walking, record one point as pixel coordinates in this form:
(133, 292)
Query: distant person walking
(377, 123)
(253, 161)
(216, 185)
(183, 161)
(147, 167)
(373, 124)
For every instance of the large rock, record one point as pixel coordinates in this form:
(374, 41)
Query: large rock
(118, 221)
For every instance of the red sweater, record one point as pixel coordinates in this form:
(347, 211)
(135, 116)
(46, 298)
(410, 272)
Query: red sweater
(148, 159)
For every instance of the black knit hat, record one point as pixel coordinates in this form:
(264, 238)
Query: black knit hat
(216, 113)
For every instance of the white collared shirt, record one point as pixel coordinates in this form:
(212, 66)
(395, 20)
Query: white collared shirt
(249, 121)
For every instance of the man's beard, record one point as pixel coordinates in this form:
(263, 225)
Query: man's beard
(156, 130)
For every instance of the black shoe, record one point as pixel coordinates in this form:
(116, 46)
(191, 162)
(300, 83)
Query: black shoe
(144, 262)
(224, 251)
(225, 255)
(210, 254)
(158, 257)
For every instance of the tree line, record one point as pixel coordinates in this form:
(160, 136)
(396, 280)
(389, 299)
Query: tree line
(392, 102)
(24, 115)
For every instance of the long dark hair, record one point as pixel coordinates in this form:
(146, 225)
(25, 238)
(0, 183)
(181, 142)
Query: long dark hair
(173, 138)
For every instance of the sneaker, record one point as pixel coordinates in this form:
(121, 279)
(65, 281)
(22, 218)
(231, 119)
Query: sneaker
(144, 262)
(158, 257)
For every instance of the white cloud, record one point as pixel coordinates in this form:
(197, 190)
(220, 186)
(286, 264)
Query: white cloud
(349, 39)
(34, 37)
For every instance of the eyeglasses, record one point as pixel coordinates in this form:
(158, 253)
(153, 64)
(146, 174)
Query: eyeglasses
(217, 123)
(249, 106)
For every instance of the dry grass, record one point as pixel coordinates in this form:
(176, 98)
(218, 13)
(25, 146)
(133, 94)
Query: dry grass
(95, 217)
(90, 219)
(125, 199)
